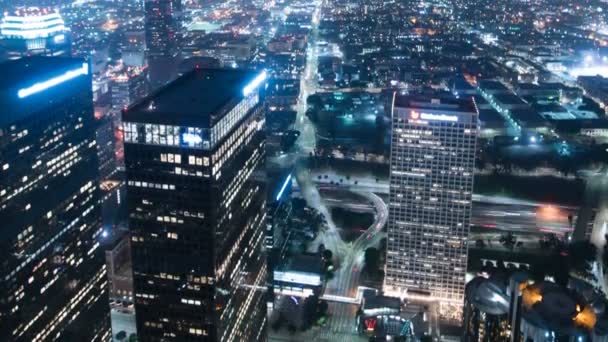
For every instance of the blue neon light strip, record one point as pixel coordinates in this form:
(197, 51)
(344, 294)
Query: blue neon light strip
(44, 85)
(255, 83)
(284, 187)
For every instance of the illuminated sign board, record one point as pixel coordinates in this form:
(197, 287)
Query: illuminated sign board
(192, 139)
(254, 84)
(283, 187)
(370, 324)
(44, 85)
(298, 278)
(59, 39)
(432, 117)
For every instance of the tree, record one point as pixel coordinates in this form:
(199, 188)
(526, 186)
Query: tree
(121, 335)
(322, 308)
(277, 324)
(508, 240)
(133, 338)
(426, 338)
(327, 255)
(380, 122)
(582, 254)
(310, 309)
(372, 259)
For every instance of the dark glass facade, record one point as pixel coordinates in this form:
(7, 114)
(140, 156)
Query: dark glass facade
(194, 157)
(52, 272)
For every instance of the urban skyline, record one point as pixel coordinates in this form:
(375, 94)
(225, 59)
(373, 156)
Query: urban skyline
(331, 170)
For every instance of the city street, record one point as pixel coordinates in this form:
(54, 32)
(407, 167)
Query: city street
(348, 256)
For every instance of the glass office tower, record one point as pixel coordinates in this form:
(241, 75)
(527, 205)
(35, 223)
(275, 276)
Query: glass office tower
(194, 155)
(431, 184)
(52, 271)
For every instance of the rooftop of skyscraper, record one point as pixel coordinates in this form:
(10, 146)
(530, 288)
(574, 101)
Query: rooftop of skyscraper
(26, 71)
(34, 82)
(196, 97)
(436, 103)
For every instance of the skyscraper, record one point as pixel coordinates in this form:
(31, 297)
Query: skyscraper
(162, 26)
(194, 156)
(431, 184)
(52, 267)
(34, 31)
(128, 84)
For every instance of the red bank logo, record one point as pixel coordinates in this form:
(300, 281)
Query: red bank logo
(414, 115)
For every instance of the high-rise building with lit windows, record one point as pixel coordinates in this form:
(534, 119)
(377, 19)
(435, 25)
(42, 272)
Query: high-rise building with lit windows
(128, 84)
(162, 27)
(52, 269)
(30, 31)
(194, 157)
(431, 184)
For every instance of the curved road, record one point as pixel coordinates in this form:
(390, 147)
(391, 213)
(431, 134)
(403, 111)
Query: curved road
(346, 280)
(350, 256)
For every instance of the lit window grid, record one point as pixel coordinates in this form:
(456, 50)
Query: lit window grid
(236, 114)
(429, 220)
(56, 152)
(232, 259)
(169, 135)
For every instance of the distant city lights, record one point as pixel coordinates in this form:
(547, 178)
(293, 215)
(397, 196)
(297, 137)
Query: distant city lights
(594, 70)
(591, 66)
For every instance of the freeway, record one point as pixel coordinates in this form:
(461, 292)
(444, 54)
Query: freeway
(501, 213)
(491, 212)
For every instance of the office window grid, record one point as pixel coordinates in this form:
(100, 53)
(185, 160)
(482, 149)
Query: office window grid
(430, 201)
